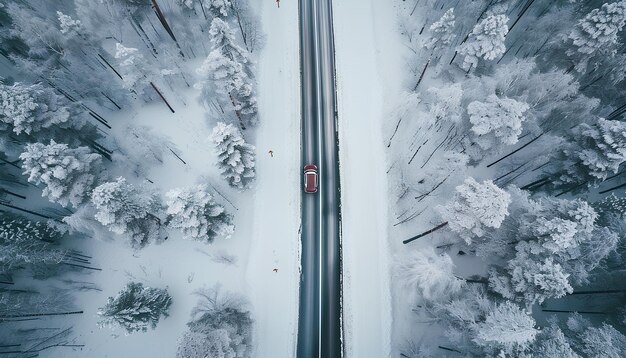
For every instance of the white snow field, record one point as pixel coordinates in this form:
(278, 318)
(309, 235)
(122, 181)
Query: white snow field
(276, 217)
(369, 64)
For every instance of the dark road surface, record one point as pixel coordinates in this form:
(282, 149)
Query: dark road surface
(319, 323)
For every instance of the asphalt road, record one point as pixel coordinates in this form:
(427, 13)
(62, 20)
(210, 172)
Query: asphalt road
(319, 323)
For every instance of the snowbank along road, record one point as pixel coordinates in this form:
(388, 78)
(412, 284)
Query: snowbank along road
(319, 325)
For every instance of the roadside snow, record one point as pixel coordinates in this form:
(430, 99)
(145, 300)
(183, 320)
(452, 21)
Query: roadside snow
(276, 219)
(369, 64)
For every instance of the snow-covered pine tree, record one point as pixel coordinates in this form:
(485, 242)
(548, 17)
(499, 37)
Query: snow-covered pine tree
(604, 341)
(219, 8)
(429, 273)
(216, 343)
(227, 72)
(235, 156)
(475, 207)
(136, 308)
(26, 242)
(69, 174)
(442, 31)
(30, 108)
(596, 150)
(552, 343)
(220, 326)
(486, 41)
(530, 278)
(497, 121)
(506, 331)
(194, 211)
(67, 24)
(129, 210)
(597, 32)
(130, 65)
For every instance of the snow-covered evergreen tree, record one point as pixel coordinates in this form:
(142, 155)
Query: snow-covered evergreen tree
(194, 211)
(130, 64)
(428, 273)
(442, 30)
(216, 343)
(497, 121)
(129, 210)
(475, 207)
(227, 72)
(136, 308)
(67, 24)
(597, 33)
(30, 108)
(220, 8)
(69, 174)
(486, 41)
(220, 326)
(552, 343)
(604, 341)
(531, 279)
(596, 150)
(26, 242)
(506, 330)
(235, 156)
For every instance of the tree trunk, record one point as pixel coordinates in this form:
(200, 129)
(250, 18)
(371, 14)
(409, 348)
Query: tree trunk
(425, 233)
(41, 314)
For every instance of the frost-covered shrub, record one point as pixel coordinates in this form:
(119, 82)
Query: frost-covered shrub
(497, 121)
(69, 174)
(128, 210)
(136, 308)
(475, 207)
(486, 41)
(194, 211)
(235, 156)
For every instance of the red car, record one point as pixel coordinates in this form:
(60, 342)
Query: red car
(310, 178)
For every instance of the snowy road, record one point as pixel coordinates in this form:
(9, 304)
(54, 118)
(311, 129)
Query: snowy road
(319, 326)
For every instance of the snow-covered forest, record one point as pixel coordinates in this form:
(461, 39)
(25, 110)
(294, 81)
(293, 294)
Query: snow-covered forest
(126, 153)
(506, 163)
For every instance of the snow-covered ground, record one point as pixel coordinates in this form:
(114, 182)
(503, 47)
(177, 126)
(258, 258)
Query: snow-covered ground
(276, 217)
(182, 266)
(266, 217)
(369, 72)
